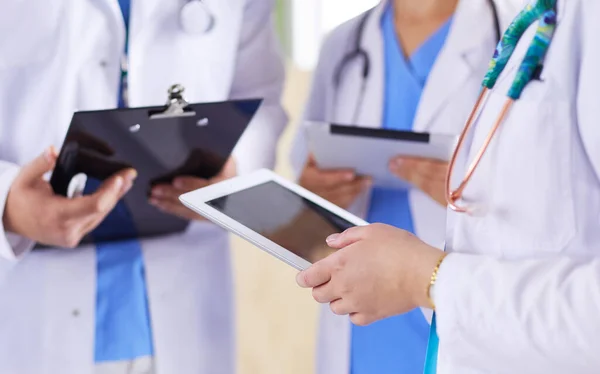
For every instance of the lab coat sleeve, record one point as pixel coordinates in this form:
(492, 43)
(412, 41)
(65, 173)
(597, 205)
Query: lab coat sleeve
(527, 316)
(316, 105)
(11, 246)
(260, 73)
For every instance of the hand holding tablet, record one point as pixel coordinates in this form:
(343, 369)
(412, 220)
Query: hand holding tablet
(297, 227)
(339, 186)
(280, 217)
(369, 151)
(165, 196)
(428, 175)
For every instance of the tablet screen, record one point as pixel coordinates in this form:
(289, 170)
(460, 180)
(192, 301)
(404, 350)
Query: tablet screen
(284, 217)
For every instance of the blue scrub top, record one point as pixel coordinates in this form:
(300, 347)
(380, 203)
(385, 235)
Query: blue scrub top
(123, 329)
(397, 345)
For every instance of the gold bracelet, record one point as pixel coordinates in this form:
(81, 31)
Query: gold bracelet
(434, 278)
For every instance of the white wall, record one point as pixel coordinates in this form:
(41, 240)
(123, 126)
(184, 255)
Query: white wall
(313, 19)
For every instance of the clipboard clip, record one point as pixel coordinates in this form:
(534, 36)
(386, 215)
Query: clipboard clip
(176, 105)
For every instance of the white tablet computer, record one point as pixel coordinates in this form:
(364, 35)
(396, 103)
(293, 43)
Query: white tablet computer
(276, 215)
(368, 151)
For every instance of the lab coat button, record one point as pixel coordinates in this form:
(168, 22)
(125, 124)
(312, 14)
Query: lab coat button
(75, 312)
(103, 63)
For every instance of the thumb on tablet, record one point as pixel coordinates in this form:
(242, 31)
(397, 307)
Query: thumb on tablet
(316, 275)
(348, 237)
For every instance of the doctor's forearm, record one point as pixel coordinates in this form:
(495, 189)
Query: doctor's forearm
(536, 315)
(258, 146)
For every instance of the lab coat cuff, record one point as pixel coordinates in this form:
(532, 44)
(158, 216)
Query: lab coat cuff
(12, 246)
(452, 285)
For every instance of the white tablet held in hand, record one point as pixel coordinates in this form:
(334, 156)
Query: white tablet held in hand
(368, 151)
(278, 216)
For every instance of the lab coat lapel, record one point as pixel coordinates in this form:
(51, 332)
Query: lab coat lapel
(113, 10)
(140, 12)
(471, 27)
(334, 343)
(94, 91)
(369, 108)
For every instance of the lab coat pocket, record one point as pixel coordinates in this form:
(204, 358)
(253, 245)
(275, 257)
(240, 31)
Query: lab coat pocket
(30, 32)
(532, 209)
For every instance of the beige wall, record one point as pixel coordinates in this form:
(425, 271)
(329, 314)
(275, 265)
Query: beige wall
(276, 319)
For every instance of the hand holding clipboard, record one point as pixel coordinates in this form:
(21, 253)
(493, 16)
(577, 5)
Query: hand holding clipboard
(160, 143)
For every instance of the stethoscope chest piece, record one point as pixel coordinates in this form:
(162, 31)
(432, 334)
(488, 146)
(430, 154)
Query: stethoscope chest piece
(196, 18)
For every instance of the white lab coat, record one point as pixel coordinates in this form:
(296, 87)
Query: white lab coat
(452, 87)
(531, 305)
(60, 56)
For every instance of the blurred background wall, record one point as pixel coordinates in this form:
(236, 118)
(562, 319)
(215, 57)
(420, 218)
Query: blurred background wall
(277, 321)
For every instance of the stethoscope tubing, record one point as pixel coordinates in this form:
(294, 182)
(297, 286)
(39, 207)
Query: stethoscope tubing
(543, 11)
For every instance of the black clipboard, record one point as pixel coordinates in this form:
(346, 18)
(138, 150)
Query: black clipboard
(161, 143)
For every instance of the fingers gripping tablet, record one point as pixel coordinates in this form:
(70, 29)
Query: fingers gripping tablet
(276, 215)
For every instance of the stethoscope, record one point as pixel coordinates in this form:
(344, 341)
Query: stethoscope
(543, 11)
(196, 18)
(359, 53)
